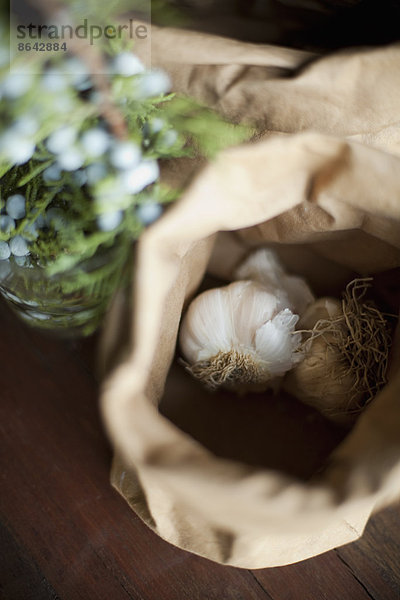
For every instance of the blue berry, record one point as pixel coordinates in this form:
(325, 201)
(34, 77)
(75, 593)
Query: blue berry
(148, 213)
(19, 246)
(52, 173)
(80, 177)
(169, 138)
(15, 206)
(127, 64)
(16, 84)
(70, 160)
(95, 173)
(96, 97)
(110, 220)
(95, 141)
(84, 84)
(125, 155)
(22, 261)
(7, 224)
(154, 83)
(143, 175)
(156, 125)
(61, 139)
(40, 221)
(5, 251)
(54, 81)
(31, 230)
(26, 125)
(77, 72)
(17, 148)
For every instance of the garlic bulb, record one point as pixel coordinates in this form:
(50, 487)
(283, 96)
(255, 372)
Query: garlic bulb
(345, 355)
(320, 380)
(240, 336)
(263, 266)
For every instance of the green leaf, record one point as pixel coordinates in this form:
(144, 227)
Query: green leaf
(34, 173)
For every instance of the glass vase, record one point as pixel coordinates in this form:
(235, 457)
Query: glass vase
(55, 302)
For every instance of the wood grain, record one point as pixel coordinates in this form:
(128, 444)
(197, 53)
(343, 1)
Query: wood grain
(23, 577)
(375, 558)
(324, 577)
(70, 532)
(67, 535)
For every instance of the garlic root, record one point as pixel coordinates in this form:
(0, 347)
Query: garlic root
(345, 355)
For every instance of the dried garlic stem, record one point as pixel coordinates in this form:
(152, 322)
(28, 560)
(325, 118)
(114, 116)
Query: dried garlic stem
(363, 336)
(346, 355)
(230, 369)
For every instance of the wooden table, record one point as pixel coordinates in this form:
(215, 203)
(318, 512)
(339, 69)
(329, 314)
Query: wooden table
(67, 534)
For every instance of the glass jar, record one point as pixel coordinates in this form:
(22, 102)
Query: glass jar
(55, 302)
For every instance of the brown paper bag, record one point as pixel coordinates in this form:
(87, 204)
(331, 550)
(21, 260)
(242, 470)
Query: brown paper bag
(327, 194)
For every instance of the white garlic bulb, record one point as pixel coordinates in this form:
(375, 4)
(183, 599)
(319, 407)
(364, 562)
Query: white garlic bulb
(263, 266)
(241, 336)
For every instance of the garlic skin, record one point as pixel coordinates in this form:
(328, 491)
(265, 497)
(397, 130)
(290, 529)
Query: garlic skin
(263, 266)
(240, 336)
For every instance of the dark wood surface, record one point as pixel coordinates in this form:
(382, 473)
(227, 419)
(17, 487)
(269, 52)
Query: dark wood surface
(65, 533)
